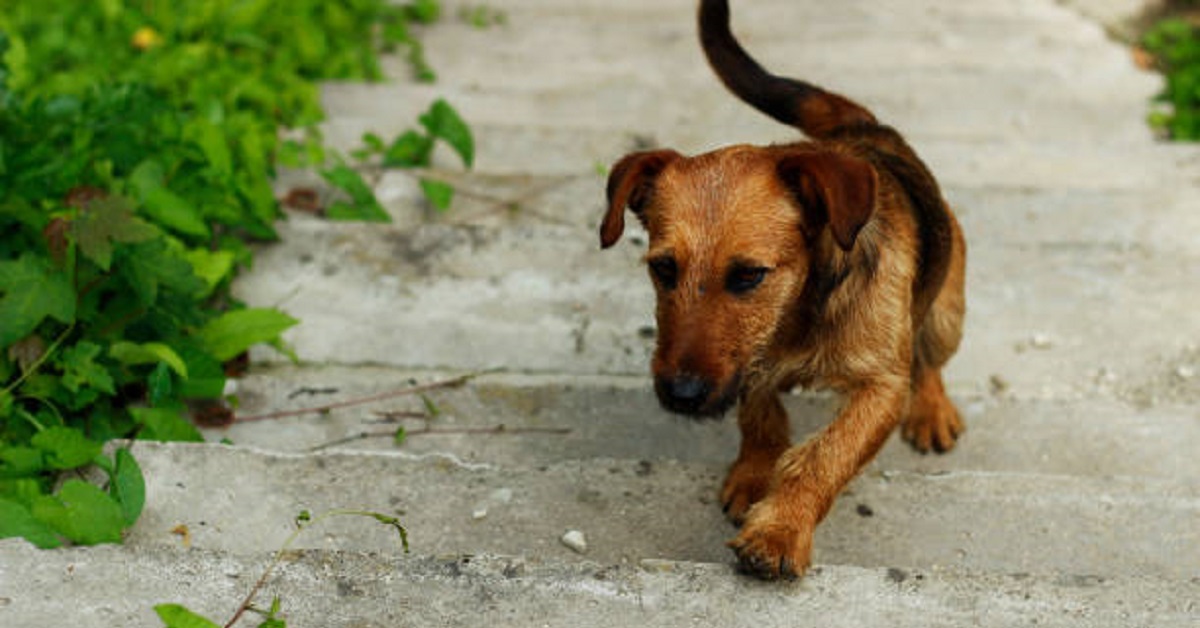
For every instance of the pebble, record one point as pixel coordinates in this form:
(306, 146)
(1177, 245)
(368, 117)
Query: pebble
(498, 497)
(1041, 341)
(1185, 371)
(575, 540)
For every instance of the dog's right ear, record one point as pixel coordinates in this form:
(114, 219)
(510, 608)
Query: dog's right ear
(630, 184)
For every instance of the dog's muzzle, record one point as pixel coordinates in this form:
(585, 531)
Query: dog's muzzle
(692, 396)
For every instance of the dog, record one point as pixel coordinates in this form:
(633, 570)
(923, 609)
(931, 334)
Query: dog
(831, 263)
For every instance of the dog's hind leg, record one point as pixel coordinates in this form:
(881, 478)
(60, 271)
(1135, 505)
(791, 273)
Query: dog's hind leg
(933, 422)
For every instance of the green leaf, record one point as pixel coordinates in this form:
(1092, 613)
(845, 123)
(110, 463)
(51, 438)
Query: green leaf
(178, 616)
(206, 375)
(410, 150)
(443, 122)
(211, 140)
(363, 205)
(66, 447)
(30, 291)
(104, 222)
(350, 181)
(128, 486)
(17, 521)
(149, 267)
(369, 212)
(425, 11)
(212, 267)
(159, 385)
(228, 335)
(437, 193)
(81, 512)
(132, 354)
(163, 205)
(18, 461)
(80, 369)
(165, 424)
(23, 491)
(373, 143)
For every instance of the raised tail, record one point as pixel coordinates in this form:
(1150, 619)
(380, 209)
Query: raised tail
(814, 111)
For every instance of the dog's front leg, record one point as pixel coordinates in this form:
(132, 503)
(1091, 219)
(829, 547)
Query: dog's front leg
(776, 539)
(763, 423)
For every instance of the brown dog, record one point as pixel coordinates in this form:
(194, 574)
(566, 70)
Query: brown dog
(832, 263)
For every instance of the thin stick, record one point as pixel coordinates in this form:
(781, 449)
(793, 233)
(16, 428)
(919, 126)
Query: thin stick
(429, 431)
(323, 409)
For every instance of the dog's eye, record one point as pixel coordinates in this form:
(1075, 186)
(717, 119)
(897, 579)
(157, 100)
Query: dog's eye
(743, 279)
(665, 272)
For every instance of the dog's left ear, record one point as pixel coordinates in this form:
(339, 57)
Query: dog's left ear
(831, 188)
(630, 184)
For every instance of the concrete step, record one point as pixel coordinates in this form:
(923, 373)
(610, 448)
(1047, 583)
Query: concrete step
(532, 292)
(554, 419)
(353, 589)
(975, 147)
(953, 70)
(685, 106)
(244, 500)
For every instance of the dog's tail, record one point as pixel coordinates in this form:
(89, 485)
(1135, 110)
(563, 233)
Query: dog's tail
(814, 111)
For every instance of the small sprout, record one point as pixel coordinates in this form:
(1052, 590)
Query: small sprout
(431, 409)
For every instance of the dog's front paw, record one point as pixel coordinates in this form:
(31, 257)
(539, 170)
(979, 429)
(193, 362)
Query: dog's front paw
(747, 483)
(933, 424)
(772, 547)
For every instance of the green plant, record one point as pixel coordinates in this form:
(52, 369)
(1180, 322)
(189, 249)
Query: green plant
(1175, 42)
(482, 15)
(179, 616)
(137, 142)
(411, 149)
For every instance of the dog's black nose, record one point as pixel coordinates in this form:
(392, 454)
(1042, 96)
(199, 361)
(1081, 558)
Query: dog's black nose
(684, 393)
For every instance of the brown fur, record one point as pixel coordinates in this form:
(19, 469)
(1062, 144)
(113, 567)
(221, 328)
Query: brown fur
(830, 263)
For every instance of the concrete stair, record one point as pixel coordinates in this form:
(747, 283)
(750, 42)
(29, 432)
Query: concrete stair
(1071, 501)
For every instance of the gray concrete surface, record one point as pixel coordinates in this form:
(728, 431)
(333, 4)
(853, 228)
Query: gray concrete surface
(631, 509)
(572, 417)
(1072, 500)
(363, 590)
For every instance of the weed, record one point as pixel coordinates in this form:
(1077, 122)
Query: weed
(482, 15)
(1175, 43)
(179, 616)
(137, 144)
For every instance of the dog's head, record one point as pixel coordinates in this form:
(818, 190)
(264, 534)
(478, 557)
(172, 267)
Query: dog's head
(733, 235)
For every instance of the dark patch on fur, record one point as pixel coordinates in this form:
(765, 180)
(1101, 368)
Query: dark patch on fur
(884, 147)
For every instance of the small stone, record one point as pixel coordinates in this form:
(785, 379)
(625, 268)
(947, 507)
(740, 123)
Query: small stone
(1040, 341)
(1185, 371)
(575, 540)
(479, 513)
(998, 385)
(864, 510)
